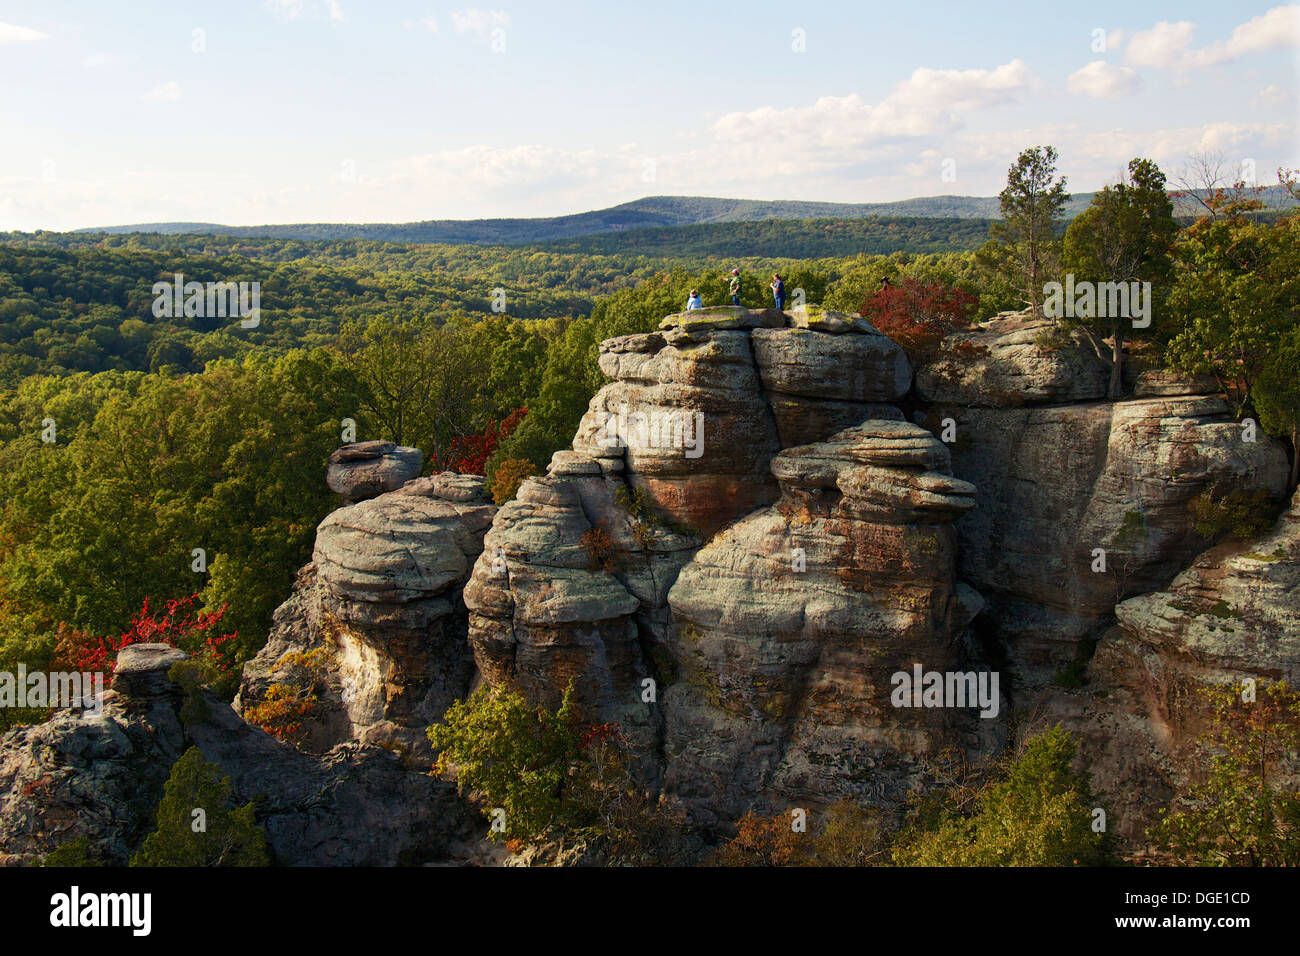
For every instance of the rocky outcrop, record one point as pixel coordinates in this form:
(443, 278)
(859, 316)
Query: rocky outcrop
(571, 590)
(573, 583)
(699, 408)
(788, 627)
(1233, 615)
(380, 614)
(369, 468)
(1056, 484)
(100, 775)
(1014, 360)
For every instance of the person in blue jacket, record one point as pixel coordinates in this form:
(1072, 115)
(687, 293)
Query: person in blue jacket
(694, 302)
(778, 291)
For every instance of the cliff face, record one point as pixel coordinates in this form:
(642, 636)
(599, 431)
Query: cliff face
(788, 627)
(1233, 615)
(1079, 505)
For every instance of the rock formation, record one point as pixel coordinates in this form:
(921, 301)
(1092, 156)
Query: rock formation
(365, 469)
(380, 608)
(101, 776)
(1057, 482)
(788, 627)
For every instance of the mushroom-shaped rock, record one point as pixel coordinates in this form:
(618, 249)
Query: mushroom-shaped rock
(370, 468)
(141, 669)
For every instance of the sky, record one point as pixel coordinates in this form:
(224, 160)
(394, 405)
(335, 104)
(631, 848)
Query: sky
(247, 112)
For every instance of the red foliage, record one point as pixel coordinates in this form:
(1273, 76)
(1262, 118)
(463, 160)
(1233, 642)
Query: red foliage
(470, 453)
(177, 625)
(606, 733)
(919, 314)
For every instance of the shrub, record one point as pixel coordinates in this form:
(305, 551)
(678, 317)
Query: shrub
(1238, 816)
(1039, 813)
(218, 836)
(507, 476)
(918, 314)
(554, 776)
(1241, 515)
(763, 841)
(469, 454)
(599, 550)
(76, 852)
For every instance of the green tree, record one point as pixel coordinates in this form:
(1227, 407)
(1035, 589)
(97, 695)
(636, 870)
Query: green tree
(1025, 244)
(1239, 815)
(1039, 813)
(195, 825)
(1235, 307)
(1125, 235)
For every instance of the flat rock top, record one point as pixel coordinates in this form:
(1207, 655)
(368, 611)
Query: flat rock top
(144, 658)
(876, 442)
(361, 451)
(449, 486)
(724, 317)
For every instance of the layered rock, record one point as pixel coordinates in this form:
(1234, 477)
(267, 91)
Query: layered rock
(376, 621)
(571, 590)
(101, 775)
(366, 469)
(1233, 615)
(1057, 484)
(788, 627)
(700, 407)
(1014, 360)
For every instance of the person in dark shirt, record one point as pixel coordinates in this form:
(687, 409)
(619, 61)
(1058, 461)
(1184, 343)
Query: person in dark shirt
(778, 291)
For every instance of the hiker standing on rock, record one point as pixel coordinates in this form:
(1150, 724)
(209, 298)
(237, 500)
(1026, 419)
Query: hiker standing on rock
(735, 287)
(694, 302)
(778, 291)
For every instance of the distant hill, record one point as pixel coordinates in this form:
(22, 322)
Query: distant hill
(782, 238)
(648, 213)
(653, 212)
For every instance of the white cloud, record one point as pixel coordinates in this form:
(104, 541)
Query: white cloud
(1101, 80)
(1115, 39)
(1169, 45)
(171, 90)
(290, 10)
(430, 23)
(96, 61)
(480, 22)
(11, 34)
(924, 104)
(286, 9)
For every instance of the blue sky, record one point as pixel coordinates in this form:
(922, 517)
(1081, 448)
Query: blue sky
(338, 110)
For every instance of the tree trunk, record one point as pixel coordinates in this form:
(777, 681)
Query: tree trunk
(1117, 362)
(1295, 458)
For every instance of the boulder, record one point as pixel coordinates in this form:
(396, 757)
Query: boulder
(1014, 360)
(366, 469)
